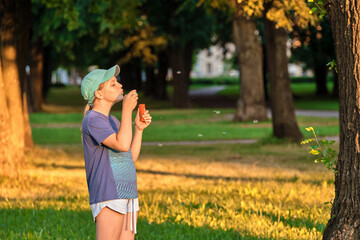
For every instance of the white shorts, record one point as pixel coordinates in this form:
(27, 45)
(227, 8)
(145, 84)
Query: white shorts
(123, 206)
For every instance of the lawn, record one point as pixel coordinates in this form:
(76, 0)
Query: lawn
(68, 99)
(256, 191)
(304, 96)
(174, 125)
(266, 190)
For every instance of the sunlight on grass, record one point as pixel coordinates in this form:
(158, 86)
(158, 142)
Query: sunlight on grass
(218, 192)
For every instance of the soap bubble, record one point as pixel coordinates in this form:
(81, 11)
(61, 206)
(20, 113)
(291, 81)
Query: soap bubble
(255, 121)
(160, 145)
(217, 112)
(224, 133)
(200, 135)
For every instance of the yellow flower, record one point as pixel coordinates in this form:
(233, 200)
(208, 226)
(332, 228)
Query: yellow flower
(309, 129)
(314, 152)
(307, 141)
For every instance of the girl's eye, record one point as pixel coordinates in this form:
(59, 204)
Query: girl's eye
(113, 85)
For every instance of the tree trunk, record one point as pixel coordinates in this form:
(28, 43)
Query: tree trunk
(320, 78)
(23, 25)
(37, 75)
(320, 61)
(266, 81)
(7, 153)
(11, 80)
(161, 76)
(181, 77)
(335, 92)
(282, 105)
(130, 75)
(150, 84)
(345, 215)
(29, 143)
(251, 104)
(47, 72)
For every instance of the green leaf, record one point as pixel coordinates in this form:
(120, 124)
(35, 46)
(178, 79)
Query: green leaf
(313, 10)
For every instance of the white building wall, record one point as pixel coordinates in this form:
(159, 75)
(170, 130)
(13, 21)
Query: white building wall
(210, 63)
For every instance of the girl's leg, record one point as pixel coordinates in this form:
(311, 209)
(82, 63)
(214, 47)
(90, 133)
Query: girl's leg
(127, 234)
(108, 224)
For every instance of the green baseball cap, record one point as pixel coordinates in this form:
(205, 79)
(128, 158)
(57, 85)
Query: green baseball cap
(92, 80)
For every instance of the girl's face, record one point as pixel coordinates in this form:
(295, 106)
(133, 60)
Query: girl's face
(112, 90)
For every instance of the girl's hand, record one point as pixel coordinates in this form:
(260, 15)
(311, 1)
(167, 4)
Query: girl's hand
(130, 100)
(142, 125)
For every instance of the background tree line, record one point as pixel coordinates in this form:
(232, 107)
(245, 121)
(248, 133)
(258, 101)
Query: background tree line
(155, 34)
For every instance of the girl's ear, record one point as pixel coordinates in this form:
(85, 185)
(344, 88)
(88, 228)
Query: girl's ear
(98, 94)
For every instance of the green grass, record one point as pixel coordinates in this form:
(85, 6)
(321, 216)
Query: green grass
(69, 99)
(174, 125)
(256, 191)
(304, 93)
(203, 132)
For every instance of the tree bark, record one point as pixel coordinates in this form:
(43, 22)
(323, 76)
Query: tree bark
(345, 215)
(130, 75)
(7, 153)
(47, 72)
(161, 76)
(282, 105)
(181, 74)
(11, 80)
(37, 75)
(23, 25)
(335, 92)
(251, 104)
(150, 84)
(320, 61)
(266, 81)
(320, 78)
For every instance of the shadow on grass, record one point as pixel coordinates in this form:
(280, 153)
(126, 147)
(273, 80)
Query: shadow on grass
(243, 179)
(55, 165)
(169, 230)
(51, 223)
(46, 223)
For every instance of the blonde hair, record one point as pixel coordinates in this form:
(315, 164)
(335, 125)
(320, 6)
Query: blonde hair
(87, 108)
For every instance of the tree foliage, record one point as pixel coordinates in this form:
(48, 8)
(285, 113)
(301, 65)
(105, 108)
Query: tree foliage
(285, 13)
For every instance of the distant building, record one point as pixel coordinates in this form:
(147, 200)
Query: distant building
(210, 63)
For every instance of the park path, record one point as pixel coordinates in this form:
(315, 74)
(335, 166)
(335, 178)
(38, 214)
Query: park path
(207, 91)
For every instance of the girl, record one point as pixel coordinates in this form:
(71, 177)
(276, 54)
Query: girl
(110, 151)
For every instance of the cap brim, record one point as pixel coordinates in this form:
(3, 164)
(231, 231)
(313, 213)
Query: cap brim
(114, 71)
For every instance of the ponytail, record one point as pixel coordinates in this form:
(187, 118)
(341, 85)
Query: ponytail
(86, 109)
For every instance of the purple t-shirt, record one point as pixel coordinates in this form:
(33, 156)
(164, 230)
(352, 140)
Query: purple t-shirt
(110, 174)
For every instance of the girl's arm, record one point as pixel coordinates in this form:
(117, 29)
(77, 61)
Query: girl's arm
(139, 127)
(136, 143)
(121, 141)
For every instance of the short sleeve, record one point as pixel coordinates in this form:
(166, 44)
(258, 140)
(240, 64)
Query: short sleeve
(116, 121)
(100, 128)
